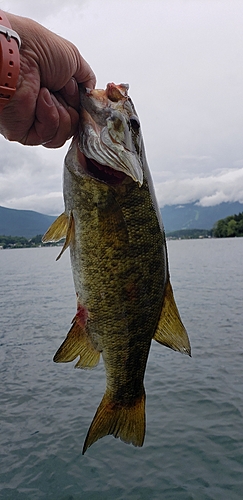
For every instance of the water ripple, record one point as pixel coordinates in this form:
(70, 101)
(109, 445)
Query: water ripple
(194, 443)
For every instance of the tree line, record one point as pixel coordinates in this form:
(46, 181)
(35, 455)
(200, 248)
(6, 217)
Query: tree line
(230, 227)
(22, 242)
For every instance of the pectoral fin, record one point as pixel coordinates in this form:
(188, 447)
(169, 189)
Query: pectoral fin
(77, 343)
(69, 235)
(57, 230)
(170, 330)
(62, 227)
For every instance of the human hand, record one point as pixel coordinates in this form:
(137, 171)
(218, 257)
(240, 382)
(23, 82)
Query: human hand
(45, 107)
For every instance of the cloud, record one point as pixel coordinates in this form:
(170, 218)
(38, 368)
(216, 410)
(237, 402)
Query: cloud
(28, 180)
(209, 191)
(40, 11)
(39, 203)
(183, 61)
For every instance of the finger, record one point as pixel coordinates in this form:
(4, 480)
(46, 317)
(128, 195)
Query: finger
(46, 121)
(70, 94)
(85, 74)
(55, 122)
(69, 120)
(90, 81)
(68, 123)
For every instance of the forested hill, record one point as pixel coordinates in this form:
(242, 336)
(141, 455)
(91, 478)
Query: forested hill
(25, 223)
(193, 216)
(28, 223)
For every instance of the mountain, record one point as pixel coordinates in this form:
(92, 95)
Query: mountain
(193, 216)
(25, 223)
(28, 223)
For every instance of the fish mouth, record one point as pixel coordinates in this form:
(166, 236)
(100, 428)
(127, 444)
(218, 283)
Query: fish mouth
(104, 173)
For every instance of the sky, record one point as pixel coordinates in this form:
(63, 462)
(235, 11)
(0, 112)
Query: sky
(183, 60)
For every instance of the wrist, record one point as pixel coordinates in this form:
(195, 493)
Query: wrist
(9, 60)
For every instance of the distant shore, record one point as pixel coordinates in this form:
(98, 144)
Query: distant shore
(11, 242)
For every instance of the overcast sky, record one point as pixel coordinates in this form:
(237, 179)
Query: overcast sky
(183, 60)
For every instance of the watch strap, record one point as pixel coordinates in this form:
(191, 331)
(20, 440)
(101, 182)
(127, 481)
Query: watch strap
(9, 60)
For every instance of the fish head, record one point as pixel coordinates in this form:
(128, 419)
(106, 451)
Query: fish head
(109, 135)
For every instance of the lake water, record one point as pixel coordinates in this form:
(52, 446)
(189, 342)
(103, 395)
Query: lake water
(194, 442)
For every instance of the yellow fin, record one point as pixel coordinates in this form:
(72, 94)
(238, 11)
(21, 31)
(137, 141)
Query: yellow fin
(69, 235)
(126, 423)
(170, 329)
(77, 343)
(57, 230)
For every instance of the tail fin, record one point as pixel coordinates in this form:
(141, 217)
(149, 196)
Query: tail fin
(126, 423)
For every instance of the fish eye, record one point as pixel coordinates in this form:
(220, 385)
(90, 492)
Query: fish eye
(134, 123)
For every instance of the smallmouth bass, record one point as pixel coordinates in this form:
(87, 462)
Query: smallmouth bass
(113, 227)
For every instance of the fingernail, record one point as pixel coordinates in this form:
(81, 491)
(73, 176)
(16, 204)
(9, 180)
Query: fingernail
(71, 87)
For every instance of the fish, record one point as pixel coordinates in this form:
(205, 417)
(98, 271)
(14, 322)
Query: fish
(113, 227)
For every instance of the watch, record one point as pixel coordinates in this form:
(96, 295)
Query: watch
(9, 60)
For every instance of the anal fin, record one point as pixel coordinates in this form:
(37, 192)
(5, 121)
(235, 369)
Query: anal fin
(124, 422)
(77, 343)
(170, 329)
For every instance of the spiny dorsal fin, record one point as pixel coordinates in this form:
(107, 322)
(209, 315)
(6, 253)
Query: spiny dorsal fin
(124, 422)
(57, 230)
(77, 343)
(170, 329)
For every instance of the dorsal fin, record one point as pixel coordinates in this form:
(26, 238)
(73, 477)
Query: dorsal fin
(170, 329)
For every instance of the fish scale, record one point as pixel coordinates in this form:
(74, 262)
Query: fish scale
(113, 227)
